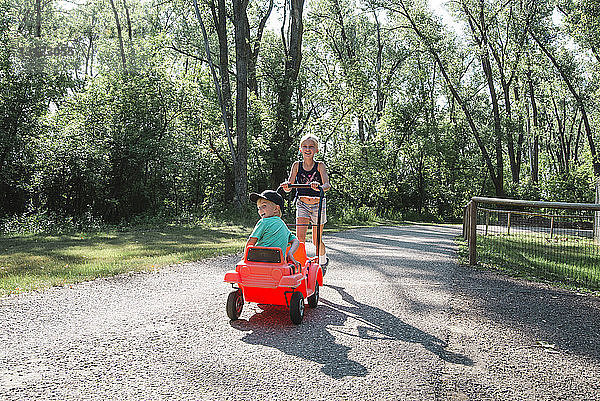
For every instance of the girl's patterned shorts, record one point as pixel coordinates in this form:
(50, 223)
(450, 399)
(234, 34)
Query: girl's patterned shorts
(311, 211)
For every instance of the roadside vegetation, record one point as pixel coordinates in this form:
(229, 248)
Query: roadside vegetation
(36, 261)
(42, 251)
(565, 262)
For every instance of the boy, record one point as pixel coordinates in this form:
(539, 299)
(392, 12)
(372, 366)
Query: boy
(270, 230)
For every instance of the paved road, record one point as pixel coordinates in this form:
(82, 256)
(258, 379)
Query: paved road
(398, 319)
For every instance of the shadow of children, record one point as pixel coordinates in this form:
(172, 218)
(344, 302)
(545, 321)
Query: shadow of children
(311, 340)
(379, 324)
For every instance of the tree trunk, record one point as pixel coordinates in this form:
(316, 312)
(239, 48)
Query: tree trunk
(89, 55)
(129, 33)
(563, 158)
(219, 12)
(379, 89)
(38, 18)
(487, 68)
(520, 137)
(242, 57)
(234, 158)
(119, 35)
(252, 82)
(536, 139)
(283, 140)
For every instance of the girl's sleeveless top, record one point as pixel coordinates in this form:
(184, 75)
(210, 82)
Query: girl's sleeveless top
(306, 177)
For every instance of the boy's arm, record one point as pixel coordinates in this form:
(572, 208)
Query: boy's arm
(292, 250)
(251, 242)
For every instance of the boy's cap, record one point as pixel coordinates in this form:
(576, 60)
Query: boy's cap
(268, 195)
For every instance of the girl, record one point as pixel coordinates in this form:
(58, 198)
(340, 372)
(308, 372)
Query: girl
(312, 172)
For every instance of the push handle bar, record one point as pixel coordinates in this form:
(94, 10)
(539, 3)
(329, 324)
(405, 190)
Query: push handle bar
(300, 185)
(321, 192)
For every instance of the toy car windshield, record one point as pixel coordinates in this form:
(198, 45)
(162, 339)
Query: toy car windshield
(263, 255)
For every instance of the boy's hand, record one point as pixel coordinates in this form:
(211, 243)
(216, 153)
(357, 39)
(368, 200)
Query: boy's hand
(291, 259)
(286, 186)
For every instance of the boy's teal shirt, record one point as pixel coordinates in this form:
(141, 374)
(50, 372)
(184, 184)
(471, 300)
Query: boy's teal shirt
(272, 231)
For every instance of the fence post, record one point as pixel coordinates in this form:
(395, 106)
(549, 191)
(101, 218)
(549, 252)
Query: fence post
(487, 221)
(473, 233)
(597, 214)
(508, 224)
(552, 227)
(465, 221)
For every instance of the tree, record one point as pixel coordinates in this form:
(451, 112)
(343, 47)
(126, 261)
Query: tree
(569, 82)
(416, 20)
(292, 51)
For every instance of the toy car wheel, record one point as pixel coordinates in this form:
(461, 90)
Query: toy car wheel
(297, 307)
(235, 304)
(314, 298)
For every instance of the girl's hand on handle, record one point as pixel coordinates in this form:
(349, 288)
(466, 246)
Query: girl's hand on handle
(315, 185)
(286, 186)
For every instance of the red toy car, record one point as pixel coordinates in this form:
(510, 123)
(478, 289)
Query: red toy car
(264, 277)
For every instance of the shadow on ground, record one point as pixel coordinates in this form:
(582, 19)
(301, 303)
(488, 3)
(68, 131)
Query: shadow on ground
(314, 340)
(564, 318)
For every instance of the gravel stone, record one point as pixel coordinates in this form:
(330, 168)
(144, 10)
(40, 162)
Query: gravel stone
(398, 319)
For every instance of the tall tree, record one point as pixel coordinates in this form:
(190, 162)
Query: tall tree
(242, 58)
(119, 35)
(291, 36)
(579, 98)
(421, 25)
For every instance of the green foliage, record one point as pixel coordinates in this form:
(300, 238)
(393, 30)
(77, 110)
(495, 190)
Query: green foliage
(48, 223)
(31, 78)
(575, 187)
(83, 141)
(565, 260)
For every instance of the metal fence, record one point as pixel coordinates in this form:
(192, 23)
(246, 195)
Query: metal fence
(548, 240)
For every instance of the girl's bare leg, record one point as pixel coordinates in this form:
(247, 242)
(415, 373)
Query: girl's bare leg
(301, 228)
(314, 239)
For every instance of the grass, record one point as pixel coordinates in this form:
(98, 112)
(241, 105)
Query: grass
(30, 262)
(33, 262)
(565, 261)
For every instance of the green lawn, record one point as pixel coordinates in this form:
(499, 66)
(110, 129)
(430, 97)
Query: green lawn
(566, 260)
(31, 262)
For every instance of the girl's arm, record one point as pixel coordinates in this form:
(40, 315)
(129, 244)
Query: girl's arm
(291, 178)
(324, 176)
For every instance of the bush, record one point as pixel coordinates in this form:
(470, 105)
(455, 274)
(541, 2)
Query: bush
(46, 222)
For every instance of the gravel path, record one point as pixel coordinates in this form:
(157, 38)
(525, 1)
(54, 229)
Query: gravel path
(398, 319)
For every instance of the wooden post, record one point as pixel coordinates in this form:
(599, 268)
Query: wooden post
(466, 221)
(508, 224)
(551, 226)
(487, 221)
(597, 214)
(473, 233)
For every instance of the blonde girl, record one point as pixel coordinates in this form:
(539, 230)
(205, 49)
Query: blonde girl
(309, 171)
